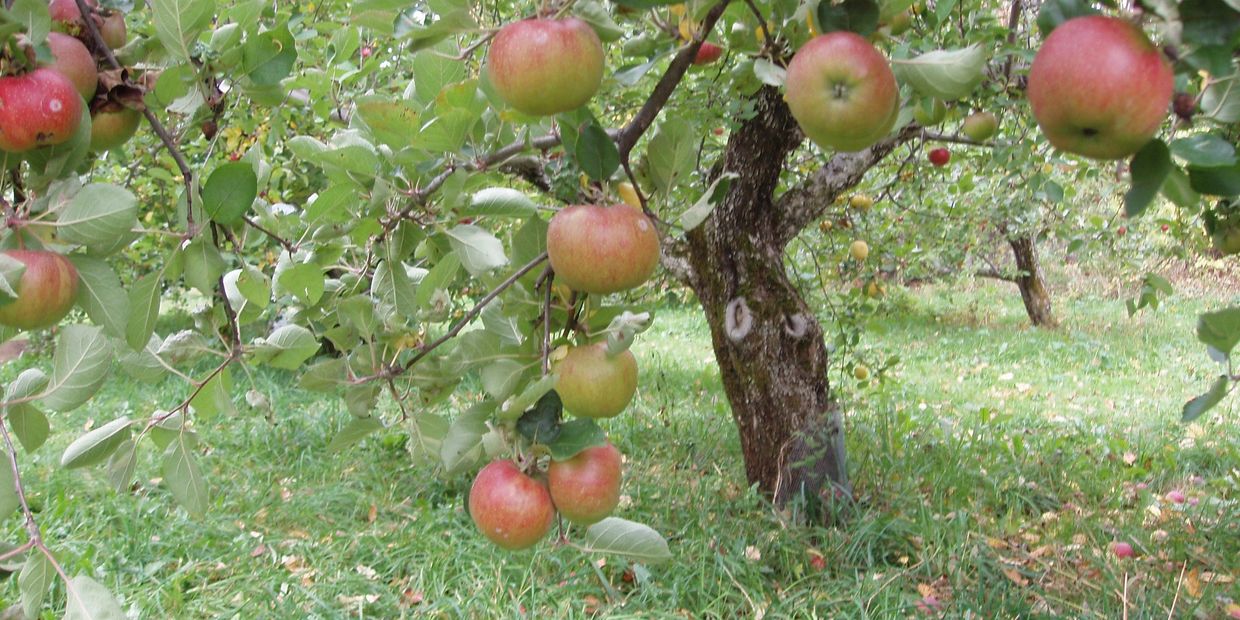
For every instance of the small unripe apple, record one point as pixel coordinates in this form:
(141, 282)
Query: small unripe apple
(874, 290)
(628, 194)
(1099, 88)
(39, 108)
(586, 488)
(367, 52)
(1122, 550)
(511, 509)
(861, 202)
(595, 249)
(112, 30)
(594, 384)
(707, 53)
(45, 292)
(111, 126)
(980, 126)
(841, 91)
(74, 61)
(900, 23)
(546, 66)
(929, 112)
(859, 250)
(940, 156)
(861, 372)
(1165, 228)
(1121, 231)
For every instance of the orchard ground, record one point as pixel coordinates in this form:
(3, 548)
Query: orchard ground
(995, 466)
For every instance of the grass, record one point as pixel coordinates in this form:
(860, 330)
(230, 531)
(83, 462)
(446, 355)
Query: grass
(994, 466)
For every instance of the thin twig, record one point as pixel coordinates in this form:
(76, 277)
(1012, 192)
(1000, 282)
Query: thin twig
(547, 278)
(186, 173)
(288, 246)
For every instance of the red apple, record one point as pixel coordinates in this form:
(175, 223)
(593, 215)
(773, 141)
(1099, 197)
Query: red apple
(593, 384)
(940, 156)
(66, 14)
(1122, 550)
(45, 292)
(367, 52)
(74, 61)
(595, 249)
(511, 509)
(707, 53)
(586, 488)
(1099, 88)
(39, 108)
(111, 126)
(842, 91)
(546, 66)
(1121, 231)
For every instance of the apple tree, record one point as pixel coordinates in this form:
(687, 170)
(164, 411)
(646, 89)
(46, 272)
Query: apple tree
(434, 211)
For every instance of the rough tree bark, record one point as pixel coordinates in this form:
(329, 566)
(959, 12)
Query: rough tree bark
(767, 340)
(1033, 291)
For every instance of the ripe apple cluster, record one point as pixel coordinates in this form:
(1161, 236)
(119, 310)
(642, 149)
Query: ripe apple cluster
(515, 510)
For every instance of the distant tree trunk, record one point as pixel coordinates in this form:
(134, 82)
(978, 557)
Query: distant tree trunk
(767, 340)
(1029, 280)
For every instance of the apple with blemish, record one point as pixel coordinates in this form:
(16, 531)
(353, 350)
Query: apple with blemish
(546, 66)
(596, 249)
(39, 108)
(46, 290)
(510, 508)
(586, 488)
(112, 125)
(74, 61)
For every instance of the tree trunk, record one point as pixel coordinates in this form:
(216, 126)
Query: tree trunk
(1029, 280)
(767, 340)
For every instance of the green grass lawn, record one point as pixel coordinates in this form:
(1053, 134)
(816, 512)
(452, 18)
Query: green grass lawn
(994, 466)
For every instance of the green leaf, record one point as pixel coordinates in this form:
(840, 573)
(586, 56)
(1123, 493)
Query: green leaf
(1221, 100)
(9, 501)
(596, 153)
(671, 154)
(480, 251)
(98, 215)
(102, 297)
(431, 72)
(304, 281)
(533, 393)
(859, 16)
(439, 278)
(391, 121)
(35, 580)
(622, 537)
(1197, 406)
(183, 477)
(500, 202)
(1218, 181)
(287, 347)
(121, 465)
(462, 446)
(392, 285)
(695, 215)
(1150, 167)
(353, 432)
(144, 300)
(215, 396)
(87, 600)
(49, 163)
(79, 366)
(96, 445)
(770, 73)
(1055, 12)
(11, 271)
(1205, 150)
(1177, 189)
(943, 74)
(594, 14)
(28, 423)
(203, 265)
(541, 424)
(1220, 331)
(501, 378)
(179, 22)
(576, 435)
(229, 192)
(269, 57)
(37, 22)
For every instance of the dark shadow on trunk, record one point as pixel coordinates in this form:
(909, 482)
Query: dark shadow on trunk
(1033, 291)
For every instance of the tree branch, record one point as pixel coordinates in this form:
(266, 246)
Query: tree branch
(658, 98)
(806, 202)
(187, 175)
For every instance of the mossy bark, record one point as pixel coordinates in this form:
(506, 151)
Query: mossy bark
(1033, 291)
